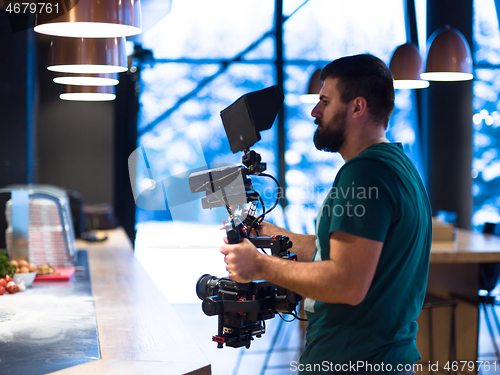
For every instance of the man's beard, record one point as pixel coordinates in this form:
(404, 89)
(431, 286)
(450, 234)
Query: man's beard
(331, 137)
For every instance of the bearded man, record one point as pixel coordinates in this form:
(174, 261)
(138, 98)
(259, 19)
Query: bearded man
(364, 273)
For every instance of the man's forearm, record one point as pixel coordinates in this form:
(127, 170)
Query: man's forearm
(321, 281)
(343, 278)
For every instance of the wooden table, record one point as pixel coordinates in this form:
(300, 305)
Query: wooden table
(468, 247)
(139, 332)
(454, 269)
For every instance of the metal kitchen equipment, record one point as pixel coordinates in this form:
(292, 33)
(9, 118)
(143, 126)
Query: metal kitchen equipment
(20, 195)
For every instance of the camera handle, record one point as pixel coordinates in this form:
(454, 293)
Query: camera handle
(278, 244)
(234, 233)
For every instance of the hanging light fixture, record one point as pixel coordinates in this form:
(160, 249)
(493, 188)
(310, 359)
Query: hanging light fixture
(448, 56)
(87, 79)
(406, 66)
(313, 88)
(87, 55)
(88, 93)
(91, 19)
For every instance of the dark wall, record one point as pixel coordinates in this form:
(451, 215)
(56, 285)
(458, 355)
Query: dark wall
(17, 103)
(17, 110)
(75, 139)
(126, 112)
(448, 123)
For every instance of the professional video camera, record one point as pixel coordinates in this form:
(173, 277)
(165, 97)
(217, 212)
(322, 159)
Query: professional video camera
(243, 307)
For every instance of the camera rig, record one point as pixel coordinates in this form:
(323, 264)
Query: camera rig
(242, 308)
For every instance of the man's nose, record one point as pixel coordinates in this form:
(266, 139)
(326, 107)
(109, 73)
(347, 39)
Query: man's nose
(316, 111)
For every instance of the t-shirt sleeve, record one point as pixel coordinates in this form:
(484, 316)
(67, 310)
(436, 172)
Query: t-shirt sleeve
(362, 202)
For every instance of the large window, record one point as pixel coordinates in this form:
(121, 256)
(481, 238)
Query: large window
(208, 54)
(486, 120)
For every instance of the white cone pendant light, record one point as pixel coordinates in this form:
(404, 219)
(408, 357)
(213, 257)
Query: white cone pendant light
(87, 79)
(89, 93)
(313, 88)
(87, 55)
(90, 18)
(448, 57)
(406, 66)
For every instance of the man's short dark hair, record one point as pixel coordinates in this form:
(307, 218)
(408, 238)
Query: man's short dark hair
(367, 76)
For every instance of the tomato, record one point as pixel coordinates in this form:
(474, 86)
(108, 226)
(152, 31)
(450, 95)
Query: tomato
(12, 289)
(8, 278)
(2, 290)
(3, 282)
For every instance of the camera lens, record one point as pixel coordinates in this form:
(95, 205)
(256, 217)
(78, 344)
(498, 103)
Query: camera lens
(205, 286)
(211, 307)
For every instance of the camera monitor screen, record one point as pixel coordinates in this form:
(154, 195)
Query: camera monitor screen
(249, 115)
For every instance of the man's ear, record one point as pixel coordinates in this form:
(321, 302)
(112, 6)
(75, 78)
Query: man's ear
(359, 106)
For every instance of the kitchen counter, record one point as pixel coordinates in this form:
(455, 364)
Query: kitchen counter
(138, 330)
(468, 247)
(50, 326)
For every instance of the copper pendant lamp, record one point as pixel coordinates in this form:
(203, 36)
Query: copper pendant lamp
(87, 55)
(91, 19)
(313, 88)
(88, 93)
(406, 66)
(448, 57)
(87, 79)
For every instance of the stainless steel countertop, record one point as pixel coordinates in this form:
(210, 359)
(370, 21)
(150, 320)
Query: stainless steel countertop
(50, 326)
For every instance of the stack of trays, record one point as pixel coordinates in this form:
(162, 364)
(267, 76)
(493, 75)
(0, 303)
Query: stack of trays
(46, 236)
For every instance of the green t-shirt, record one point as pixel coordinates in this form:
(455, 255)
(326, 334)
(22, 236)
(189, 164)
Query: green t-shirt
(377, 195)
